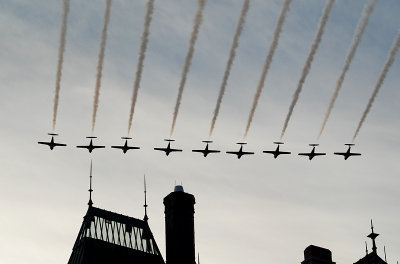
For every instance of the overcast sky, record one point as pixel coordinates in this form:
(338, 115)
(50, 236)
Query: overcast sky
(256, 209)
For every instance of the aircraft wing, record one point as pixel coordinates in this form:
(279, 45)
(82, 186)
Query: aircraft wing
(269, 151)
(175, 150)
(161, 149)
(233, 152)
(60, 144)
(355, 154)
(319, 154)
(118, 147)
(198, 150)
(44, 143)
(133, 147)
(86, 147)
(213, 151)
(285, 152)
(304, 154)
(247, 153)
(95, 147)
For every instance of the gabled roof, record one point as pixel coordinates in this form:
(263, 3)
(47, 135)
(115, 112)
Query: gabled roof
(371, 258)
(107, 237)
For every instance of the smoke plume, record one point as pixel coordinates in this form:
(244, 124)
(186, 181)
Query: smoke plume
(268, 61)
(61, 51)
(389, 62)
(362, 24)
(196, 27)
(142, 56)
(232, 55)
(100, 62)
(310, 58)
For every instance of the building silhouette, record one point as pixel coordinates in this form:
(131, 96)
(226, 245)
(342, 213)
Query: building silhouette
(106, 237)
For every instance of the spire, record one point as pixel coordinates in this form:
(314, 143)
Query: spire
(90, 203)
(384, 250)
(373, 237)
(145, 200)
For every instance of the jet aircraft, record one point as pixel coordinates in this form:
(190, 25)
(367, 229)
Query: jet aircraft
(52, 144)
(240, 153)
(125, 147)
(90, 147)
(276, 152)
(206, 151)
(312, 154)
(168, 149)
(348, 153)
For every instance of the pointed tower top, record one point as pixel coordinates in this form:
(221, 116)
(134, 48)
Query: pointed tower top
(145, 218)
(90, 203)
(373, 237)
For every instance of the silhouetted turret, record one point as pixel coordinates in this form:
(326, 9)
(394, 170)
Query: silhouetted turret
(179, 227)
(317, 255)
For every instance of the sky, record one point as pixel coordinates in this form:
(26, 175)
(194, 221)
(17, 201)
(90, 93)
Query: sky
(256, 208)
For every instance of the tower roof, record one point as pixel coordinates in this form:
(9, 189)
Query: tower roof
(106, 237)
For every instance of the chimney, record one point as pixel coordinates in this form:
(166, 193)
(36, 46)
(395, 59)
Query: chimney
(317, 255)
(179, 227)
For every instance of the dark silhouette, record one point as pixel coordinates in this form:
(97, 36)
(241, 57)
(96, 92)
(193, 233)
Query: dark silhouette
(206, 151)
(240, 153)
(312, 154)
(168, 149)
(179, 227)
(125, 147)
(106, 237)
(317, 255)
(348, 153)
(52, 144)
(276, 152)
(90, 147)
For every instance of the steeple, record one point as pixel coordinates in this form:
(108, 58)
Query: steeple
(373, 237)
(90, 203)
(145, 218)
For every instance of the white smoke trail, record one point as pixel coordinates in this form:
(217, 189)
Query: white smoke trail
(61, 51)
(196, 27)
(232, 55)
(362, 24)
(100, 62)
(268, 61)
(310, 58)
(389, 62)
(142, 56)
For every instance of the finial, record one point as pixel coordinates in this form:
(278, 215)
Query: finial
(90, 203)
(366, 248)
(145, 200)
(373, 237)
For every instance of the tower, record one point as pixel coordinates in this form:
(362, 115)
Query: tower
(317, 255)
(179, 227)
(107, 237)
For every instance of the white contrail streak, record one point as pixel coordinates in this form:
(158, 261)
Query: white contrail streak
(389, 62)
(285, 9)
(100, 62)
(196, 27)
(232, 55)
(362, 24)
(310, 58)
(142, 56)
(61, 51)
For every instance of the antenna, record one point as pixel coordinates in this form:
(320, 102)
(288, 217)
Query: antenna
(384, 250)
(145, 200)
(366, 248)
(90, 203)
(373, 237)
